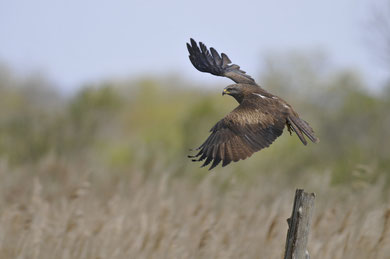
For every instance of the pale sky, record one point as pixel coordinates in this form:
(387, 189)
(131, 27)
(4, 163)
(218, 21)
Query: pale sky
(76, 41)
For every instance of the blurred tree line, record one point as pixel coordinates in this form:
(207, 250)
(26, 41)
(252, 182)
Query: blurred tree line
(150, 124)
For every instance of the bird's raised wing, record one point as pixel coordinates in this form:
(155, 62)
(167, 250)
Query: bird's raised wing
(216, 64)
(237, 136)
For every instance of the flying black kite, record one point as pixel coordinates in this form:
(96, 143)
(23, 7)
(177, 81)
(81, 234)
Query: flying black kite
(254, 124)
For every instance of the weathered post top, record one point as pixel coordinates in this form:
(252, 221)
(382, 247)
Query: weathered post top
(299, 226)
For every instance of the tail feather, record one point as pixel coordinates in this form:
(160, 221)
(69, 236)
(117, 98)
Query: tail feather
(300, 126)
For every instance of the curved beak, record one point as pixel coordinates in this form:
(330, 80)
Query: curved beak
(225, 92)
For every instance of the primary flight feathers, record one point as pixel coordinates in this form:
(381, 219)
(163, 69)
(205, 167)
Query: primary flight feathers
(254, 124)
(215, 64)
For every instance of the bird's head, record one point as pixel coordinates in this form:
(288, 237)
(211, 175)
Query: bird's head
(231, 90)
(238, 91)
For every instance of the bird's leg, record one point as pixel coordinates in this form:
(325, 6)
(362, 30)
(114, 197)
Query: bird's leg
(289, 128)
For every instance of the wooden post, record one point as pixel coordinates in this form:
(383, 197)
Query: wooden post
(299, 226)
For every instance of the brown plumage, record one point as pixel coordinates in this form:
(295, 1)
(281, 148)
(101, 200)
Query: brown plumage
(254, 124)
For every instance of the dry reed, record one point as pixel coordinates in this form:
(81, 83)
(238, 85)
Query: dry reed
(72, 214)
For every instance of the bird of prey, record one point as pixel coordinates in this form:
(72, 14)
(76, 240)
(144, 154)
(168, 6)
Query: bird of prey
(254, 124)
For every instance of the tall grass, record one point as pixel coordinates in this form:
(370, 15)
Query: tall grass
(68, 211)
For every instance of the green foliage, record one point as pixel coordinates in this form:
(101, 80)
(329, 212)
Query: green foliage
(150, 125)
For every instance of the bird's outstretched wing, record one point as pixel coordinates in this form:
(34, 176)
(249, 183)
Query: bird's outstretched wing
(216, 64)
(237, 136)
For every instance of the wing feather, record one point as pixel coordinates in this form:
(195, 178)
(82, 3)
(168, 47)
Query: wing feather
(215, 64)
(234, 138)
(228, 154)
(217, 58)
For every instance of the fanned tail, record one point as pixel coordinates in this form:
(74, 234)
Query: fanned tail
(302, 128)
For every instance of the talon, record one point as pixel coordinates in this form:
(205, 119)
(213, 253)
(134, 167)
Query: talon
(290, 130)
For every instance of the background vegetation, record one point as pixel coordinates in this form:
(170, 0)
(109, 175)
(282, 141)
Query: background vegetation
(145, 122)
(104, 174)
